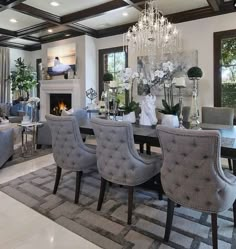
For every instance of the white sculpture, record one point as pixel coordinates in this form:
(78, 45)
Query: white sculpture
(148, 113)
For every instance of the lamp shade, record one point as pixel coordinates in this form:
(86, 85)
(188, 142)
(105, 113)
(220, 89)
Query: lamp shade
(179, 82)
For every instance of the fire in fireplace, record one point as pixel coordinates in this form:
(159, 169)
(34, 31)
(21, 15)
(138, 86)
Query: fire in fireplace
(59, 102)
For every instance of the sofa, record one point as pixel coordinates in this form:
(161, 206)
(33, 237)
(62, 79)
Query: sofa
(6, 145)
(13, 112)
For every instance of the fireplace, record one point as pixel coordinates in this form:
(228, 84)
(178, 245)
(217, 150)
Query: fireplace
(59, 102)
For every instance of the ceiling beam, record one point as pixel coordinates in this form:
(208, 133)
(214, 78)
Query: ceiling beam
(83, 29)
(214, 4)
(132, 4)
(93, 11)
(31, 11)
(34, 29)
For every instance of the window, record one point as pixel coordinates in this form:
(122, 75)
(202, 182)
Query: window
(225, 69)
(111, 60)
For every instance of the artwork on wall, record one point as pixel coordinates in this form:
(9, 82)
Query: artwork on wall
(148, 67)
(62, 58)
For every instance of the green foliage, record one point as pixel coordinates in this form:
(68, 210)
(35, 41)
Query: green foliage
(228, 97)
(131, 107)
(168, 109)
(195, 72)
(107, 77)
(228, 52)
(23, 79)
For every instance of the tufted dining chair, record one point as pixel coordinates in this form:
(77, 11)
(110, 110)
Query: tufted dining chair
(69, 151)
(218, 115)
(192, 176)
(118, 160)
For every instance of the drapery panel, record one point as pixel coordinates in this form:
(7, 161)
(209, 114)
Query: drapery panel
(5, 84)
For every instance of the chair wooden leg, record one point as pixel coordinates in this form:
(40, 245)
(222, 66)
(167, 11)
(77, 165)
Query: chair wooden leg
(169, 219)
(58, 177)
(160, 195)
(130, 204)
(102, 192)
(234, 213)
(148, 149)
(77, 187)
(230, 164)
(141, 148)
(214, 231)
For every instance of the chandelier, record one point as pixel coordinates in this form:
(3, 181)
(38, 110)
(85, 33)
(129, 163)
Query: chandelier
(153, 34)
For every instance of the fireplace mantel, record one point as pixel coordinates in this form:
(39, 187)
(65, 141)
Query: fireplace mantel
(47, 87)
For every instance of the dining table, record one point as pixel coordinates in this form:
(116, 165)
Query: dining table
(148, 135)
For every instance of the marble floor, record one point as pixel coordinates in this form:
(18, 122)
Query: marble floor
(23, 228)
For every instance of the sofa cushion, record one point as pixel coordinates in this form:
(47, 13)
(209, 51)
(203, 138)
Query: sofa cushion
(5, 108)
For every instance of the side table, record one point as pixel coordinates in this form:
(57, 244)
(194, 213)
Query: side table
(29, 128)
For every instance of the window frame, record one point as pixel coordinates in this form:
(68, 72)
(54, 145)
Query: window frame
(218, 37)
(101, 53)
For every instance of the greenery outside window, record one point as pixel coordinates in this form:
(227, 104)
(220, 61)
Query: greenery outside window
(225, 69)
(111, 60)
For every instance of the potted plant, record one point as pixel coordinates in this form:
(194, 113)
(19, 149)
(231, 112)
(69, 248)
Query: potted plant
(107, 77)
(23, 79)
(170, 114)
(129, 111)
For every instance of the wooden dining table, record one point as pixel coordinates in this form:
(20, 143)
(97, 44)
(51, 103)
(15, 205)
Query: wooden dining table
(148, 135)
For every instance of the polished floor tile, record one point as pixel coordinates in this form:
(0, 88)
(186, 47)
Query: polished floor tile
(23, 228)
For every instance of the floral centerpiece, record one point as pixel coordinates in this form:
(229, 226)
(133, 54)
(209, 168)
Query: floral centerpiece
(163, 79)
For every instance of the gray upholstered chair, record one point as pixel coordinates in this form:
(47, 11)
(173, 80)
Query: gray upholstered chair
(69, 151)
(6, 145)
(218, 115)
(44, 136)
(118, 160)
(192, 176)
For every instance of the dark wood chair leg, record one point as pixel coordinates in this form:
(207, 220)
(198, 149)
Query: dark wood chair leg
(130, 204)
(234, 213)
(141, 148)
(58, 177)
(148, 149)
(77, 187)
(214, 231)
(169, 219)
(102, 192)
(230, 164)
(160, 195)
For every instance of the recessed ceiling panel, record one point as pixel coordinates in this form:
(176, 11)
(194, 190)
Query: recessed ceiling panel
(65, 6)
(175, 6)
(54, 30)
(22, 41)
(18, 20)
(113, 18)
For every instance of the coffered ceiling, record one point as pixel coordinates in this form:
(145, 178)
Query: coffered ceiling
(27, 24)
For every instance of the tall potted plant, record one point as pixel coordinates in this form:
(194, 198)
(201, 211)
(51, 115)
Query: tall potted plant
(23, 79)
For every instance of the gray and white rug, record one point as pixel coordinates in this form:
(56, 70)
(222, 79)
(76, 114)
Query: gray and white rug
(108, 228)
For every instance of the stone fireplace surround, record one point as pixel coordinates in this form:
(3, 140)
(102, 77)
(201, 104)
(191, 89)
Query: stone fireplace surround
(47, 87)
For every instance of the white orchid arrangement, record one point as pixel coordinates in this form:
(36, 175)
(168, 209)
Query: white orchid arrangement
(128, 77)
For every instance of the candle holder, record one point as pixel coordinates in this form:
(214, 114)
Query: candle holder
(181, 126)
(195, 122)
(114, 101)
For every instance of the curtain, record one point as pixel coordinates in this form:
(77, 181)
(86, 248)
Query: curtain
(5, 84)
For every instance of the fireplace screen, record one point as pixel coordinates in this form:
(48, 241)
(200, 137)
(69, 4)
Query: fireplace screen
(59, 102)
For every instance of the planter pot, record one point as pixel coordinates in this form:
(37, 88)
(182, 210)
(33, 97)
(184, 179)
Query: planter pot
(130, 117)
(170, 120)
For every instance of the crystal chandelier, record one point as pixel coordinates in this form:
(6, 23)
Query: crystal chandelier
(153, 34)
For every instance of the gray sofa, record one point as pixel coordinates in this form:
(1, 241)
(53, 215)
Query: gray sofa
(12, 112)
(6, 145)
